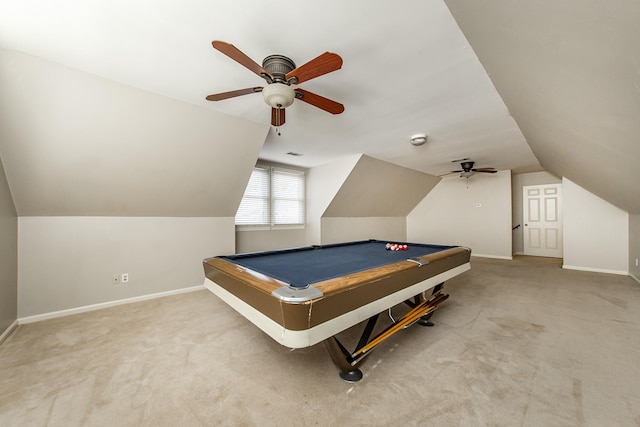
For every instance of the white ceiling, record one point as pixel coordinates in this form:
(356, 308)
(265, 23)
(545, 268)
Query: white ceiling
(407, 69)
(569, 72)
(515, 85)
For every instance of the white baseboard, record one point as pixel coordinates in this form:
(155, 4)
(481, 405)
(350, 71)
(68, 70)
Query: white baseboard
(491, 256)
(595, 270)
(93, 307)
(8, 331)
(637, 279)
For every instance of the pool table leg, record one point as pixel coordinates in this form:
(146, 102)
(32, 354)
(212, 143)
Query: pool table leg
(339, 356)
(425, 320)
(347, 362)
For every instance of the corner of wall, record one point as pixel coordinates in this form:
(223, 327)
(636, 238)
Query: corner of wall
(323, 182)
(8, 256)
(634, 246)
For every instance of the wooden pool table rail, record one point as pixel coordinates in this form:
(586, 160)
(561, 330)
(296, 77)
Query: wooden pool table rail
(328, 287)
(331, 286)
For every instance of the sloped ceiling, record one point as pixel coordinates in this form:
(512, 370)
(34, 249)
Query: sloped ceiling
(380, 189)
(75, 144)
(407, 69)
(461, 71)
(569, 72)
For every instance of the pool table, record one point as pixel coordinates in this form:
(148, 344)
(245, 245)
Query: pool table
(303, 296)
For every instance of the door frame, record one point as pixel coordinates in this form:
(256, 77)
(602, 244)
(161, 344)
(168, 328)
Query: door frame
(549, 213)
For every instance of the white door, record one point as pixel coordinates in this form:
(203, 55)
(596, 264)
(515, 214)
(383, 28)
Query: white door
(542, 220)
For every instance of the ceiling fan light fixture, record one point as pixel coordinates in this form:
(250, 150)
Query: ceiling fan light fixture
(278, 95)
(418, 139)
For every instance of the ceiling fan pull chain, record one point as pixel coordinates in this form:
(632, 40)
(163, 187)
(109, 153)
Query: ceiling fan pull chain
(278, 120)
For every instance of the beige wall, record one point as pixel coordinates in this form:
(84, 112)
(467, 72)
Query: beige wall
(8, 256)
(109, 179)
(266, 240)
(336, 230)
(595, 232)
(323, 183)
(476, 214)
(373, 202)
(68, 262)
(376, 188)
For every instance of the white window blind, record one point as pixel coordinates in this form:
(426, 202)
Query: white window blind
(287, 196)
(274, 197)
(255, 204)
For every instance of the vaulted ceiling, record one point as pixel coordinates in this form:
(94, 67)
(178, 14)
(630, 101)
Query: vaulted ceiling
(569, 72)
(524, 86)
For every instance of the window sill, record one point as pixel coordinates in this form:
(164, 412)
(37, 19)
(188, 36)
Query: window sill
(269, 228)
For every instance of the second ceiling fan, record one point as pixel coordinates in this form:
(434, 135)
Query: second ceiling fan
(281, 73)
(468, 170)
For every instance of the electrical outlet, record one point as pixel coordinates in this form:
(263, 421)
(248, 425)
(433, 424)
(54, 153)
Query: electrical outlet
(636, 262)
(115, 279)
(124, 278)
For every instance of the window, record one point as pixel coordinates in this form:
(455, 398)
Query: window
(254, 207)
(274, 198)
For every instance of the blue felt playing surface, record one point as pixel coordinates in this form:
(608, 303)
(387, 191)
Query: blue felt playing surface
(301, 267)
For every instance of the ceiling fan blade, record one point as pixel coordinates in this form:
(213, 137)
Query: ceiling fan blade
(456, 171)
(321, 102)
(234, 53)
(485, 170)
(277, 116)
(233, 93)
(323, 64)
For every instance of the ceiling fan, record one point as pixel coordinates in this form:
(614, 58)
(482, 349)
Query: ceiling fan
(281, 73)
(468, 170)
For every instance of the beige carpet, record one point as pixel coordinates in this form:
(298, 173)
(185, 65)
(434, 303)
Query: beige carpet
(519, 343)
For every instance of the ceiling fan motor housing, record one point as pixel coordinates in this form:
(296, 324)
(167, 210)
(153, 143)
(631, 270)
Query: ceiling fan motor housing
(278, 66)
(466, 166)
(278, 94)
